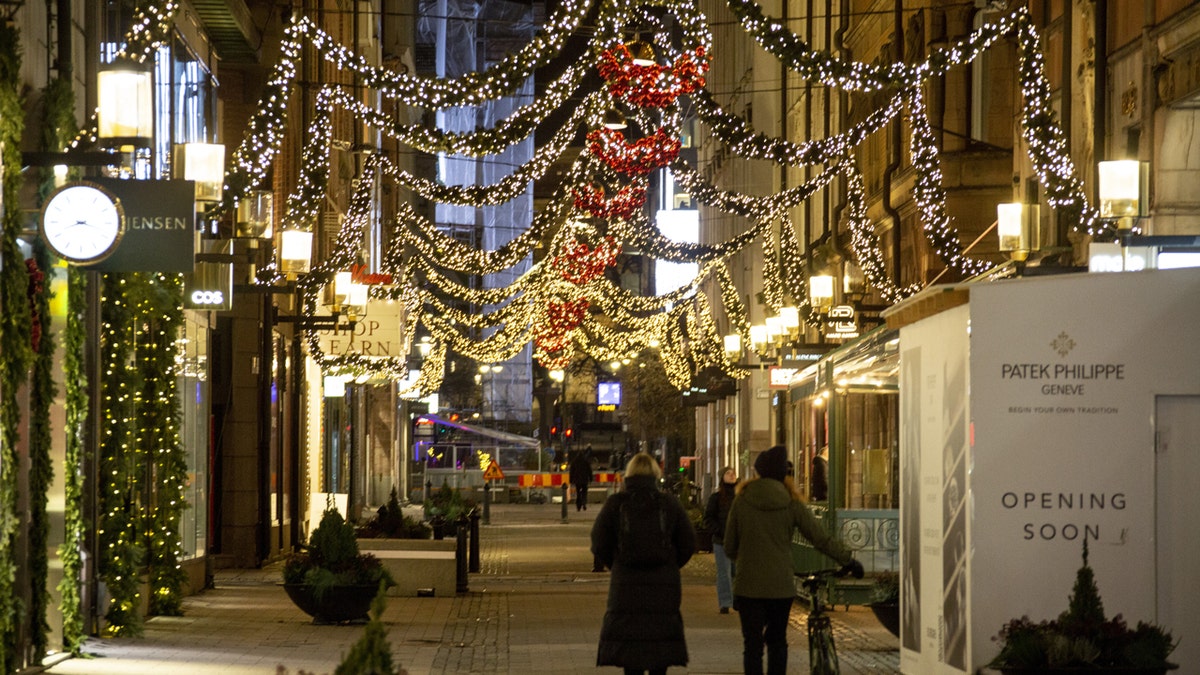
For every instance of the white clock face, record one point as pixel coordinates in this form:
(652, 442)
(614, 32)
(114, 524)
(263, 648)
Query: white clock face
(82, 222)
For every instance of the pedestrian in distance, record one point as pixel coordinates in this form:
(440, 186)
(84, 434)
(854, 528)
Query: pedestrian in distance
(820, 475)
(581, 477)
(644, 536)
(716, 512)
(758, 536)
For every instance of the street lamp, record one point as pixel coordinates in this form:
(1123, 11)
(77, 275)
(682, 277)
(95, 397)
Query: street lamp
(613, 119)
(643, 52)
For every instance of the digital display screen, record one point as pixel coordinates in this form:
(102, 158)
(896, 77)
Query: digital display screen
(608, 393)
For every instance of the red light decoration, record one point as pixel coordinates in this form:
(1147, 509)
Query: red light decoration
(590, 198)
(580, 263)
(654, 86)
(552, 338)
(33, 292)
(638, 158)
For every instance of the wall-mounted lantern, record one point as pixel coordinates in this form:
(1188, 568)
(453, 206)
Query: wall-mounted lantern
(820, 291)
(1017, 226)
(254, 215)
(125, 115)
(203, 163)
(1122, 190)
(295, 252)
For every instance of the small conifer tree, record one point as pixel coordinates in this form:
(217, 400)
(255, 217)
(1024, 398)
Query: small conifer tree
(371, 655)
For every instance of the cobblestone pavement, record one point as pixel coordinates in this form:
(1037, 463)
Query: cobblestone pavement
(534, 607)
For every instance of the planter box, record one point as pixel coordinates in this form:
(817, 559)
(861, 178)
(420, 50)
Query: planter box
(418, 566)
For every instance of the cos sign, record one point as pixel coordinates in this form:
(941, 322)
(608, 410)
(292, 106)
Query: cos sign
(200, 298)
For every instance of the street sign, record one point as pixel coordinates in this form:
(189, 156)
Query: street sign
(493, 472)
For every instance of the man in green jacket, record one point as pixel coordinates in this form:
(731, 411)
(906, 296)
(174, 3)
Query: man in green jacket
(758, 536)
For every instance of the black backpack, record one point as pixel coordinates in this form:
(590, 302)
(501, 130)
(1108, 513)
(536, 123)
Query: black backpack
(644, 538)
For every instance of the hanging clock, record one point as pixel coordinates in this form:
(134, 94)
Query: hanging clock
(82, 222)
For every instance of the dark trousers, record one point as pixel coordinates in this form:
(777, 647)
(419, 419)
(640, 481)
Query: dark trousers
(764, 622)
(581, 496)
(639, 671)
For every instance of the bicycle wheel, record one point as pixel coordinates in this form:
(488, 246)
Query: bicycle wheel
(822, 655)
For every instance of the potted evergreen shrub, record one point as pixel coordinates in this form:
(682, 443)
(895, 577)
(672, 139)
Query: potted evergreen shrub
(329, 579)
(1082, 640)
(391, 523)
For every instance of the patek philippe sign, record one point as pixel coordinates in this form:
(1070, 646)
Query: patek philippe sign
(160, 226)
(377, 334)
(1032, 420)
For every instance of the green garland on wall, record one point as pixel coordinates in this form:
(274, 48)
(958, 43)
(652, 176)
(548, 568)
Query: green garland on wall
(122, 460)
(15, 352)
(42, 391)
(142, 457)
(161, 421)
(76, 404)
(58, 128)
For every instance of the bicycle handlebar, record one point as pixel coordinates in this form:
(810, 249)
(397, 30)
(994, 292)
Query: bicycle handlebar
(822, 574)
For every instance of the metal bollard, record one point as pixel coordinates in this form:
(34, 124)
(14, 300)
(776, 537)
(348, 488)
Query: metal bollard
(438, 523)
(564, 502)
(460, 554)
(487, 503)
(474, 560)
(426, 501)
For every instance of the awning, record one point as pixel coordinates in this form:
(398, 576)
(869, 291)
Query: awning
(515, 439)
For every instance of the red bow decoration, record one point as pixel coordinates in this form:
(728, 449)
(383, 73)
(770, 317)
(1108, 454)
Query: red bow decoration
(654, 86)
(627, 201)
(555, 334)
(580, 263)
(638, 158)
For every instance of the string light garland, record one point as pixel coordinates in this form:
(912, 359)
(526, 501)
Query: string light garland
(616, 160)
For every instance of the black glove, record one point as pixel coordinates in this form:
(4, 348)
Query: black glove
(853, 568)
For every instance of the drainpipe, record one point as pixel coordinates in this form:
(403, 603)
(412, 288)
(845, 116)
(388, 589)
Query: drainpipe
(839, 44)
(894, 163)
(1100, 82)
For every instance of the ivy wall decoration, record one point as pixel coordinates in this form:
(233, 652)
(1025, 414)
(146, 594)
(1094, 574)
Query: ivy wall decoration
(14, 336)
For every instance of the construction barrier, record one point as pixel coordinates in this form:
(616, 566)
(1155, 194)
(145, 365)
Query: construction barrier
(557, 479)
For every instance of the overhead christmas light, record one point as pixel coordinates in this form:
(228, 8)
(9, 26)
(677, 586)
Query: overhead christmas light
(613, 119)
(642, 51)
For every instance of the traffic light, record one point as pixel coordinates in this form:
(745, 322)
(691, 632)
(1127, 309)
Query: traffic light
(553, 431)
(569, 433)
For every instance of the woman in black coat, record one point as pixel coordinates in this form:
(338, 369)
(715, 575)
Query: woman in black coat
(644, 536)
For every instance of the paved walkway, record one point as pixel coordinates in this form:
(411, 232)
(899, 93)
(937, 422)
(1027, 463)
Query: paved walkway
(533, 607)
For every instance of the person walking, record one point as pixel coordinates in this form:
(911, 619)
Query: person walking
(716, 512)
(581, 477)
(820, 475)
(644, 537)
(758, 537)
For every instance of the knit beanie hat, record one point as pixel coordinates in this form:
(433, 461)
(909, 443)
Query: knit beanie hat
(772, 463)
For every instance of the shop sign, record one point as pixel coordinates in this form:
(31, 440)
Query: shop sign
(376, 334)
(842, 323)
(160, 226)
(210, 285)
(782, 377)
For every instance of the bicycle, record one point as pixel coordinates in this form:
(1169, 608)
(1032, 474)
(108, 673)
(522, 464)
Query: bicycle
(822, 653)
